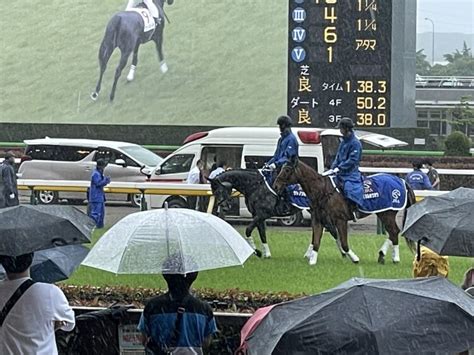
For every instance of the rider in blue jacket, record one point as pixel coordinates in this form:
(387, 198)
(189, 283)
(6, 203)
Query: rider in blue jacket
(417, 179)
(96, 193)
(287, 146)
(346, 164)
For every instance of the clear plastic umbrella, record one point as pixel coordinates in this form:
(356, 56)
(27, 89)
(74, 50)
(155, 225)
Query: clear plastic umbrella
(141, 243)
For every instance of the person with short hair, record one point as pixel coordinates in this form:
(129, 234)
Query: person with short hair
(177, 321)
(221, 167)
(42, 308)
(96, 197)
(433, 175)
(8, 184)
(417, 179)
(194, 177)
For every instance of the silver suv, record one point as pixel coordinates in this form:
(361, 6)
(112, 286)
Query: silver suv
(74, 159)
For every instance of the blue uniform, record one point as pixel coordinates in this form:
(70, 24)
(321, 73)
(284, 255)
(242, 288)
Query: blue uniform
(97, 197)
(158, 321)
(287, 149)
(418, 180)
(347, 160)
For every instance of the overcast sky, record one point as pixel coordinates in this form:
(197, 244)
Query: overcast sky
(447, 15)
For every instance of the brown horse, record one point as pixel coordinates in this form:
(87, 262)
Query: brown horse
(330, 207)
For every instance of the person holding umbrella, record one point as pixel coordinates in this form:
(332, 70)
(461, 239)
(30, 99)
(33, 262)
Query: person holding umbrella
(96, 208)
(177, 321)
(8, 188)
(30, 312)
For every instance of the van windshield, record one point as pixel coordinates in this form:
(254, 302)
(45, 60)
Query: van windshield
(142, 155)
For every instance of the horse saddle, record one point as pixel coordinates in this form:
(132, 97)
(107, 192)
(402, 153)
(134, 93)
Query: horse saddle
(148, 20)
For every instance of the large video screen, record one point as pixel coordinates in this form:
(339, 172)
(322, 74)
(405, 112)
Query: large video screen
(227, 64)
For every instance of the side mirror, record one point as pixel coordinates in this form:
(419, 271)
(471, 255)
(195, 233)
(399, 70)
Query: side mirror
(120, 162)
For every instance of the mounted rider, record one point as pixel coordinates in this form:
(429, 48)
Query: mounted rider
(154, 11)
(287, 146)
(346, 165)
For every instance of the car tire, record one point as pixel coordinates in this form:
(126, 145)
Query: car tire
(47, 197)
(177, 203)
(291, 221)
(135, 200)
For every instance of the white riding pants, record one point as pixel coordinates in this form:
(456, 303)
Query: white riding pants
(149, 4)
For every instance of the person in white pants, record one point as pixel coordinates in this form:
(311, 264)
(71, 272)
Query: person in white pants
(151, 7)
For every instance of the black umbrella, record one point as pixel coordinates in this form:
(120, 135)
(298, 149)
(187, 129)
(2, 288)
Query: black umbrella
(444, 223)
(27, 228)
(56, 264)
(364, 316)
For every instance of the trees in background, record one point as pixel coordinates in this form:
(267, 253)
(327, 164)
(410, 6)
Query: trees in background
(460, 63)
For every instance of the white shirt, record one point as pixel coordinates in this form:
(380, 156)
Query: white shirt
(216, 172)
(29, 327)
(193, 176)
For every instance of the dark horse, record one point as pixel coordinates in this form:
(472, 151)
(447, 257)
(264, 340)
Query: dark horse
(260, 201)
(125, 31)
(331, 207)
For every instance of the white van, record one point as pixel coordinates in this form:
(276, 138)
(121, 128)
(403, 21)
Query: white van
(250, 148)
(74, 159)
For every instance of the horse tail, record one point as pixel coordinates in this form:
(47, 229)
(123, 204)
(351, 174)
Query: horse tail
(411, 200)
(109, 43)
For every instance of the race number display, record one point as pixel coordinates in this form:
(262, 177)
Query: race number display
(339, 62)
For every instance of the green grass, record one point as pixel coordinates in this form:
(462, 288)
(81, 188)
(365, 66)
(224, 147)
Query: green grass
(287, 270)
(227, 62)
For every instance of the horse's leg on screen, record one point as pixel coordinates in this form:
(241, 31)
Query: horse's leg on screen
(313, 249)
(118, 71)
(248, 235)
(133, 67)
(105, 52)
(389, 219)
(159, 47)
(342, 232)
(262, 231)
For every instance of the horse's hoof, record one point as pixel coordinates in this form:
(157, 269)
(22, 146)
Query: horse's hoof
(130, 78)
(343, 255)
(258, 253)
(164, 67)
(381, 259)
(396, 261)
(94, 96)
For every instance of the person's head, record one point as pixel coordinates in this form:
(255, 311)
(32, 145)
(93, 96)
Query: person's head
(16, 264)
(10, 157)
(428, 164)
(178, 284)
(284, 122)
(222, 164)
(345, 126)
(200, 164)
(417, 165)
(101, 164)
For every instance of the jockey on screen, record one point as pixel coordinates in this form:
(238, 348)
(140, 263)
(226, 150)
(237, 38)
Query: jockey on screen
(150, 6)
(346, 165)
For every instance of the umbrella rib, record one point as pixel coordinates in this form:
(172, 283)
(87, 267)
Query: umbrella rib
(225, 239)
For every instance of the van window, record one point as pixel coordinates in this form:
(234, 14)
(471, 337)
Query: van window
(312, 162)
(232, 156)
(179, 163)
(255, 162)
(57, 153)
(111, 155)
(330, 145)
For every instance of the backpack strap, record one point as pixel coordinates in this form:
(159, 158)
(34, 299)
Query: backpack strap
(177, 325)
(14, 299)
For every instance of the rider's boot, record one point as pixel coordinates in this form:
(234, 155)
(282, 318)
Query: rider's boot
(157, 21)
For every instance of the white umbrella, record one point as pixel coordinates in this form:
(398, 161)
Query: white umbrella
(141, 242)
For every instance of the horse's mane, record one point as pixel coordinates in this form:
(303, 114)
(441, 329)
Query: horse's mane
(313, 182)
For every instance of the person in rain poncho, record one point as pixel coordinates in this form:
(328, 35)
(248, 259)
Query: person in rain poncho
(8, 187)
(346, 165)
(287, 146)
(177, 322)
(29, 326)
(96, 193)
(428, 263)
(417, 179)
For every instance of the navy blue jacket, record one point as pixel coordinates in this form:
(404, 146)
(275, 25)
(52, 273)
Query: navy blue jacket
(98, 181)
(287, 149)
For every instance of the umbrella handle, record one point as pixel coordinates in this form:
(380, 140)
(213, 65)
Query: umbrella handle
(418, 250)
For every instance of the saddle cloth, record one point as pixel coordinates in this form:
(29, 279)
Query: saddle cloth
(383, 192)
(149, 22)
(293, 193)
